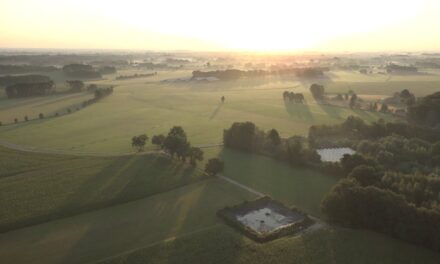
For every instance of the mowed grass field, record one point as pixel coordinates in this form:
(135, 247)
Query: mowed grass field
(149, 105)
(300, 187)
(35, 188)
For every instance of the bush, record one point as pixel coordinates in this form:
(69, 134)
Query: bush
(41, 116)
(214, 166)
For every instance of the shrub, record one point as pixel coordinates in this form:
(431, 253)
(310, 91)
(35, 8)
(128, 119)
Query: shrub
(214, 166)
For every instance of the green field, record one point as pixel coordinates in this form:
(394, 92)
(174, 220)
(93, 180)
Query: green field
(333, 245)
(147, 105)
(116, 229)
(35, 188)
(298, 187)
(150, 209)
(180, 225)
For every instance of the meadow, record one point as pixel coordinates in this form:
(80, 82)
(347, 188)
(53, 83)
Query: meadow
(151, 209)
(152, 106)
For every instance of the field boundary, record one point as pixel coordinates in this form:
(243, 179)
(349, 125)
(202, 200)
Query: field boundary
(42, 150)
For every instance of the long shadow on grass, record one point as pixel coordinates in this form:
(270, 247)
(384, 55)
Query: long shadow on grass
(298, 111)
(332, 111)
(216, 110)
(123, 179)
(129, 178)
(168, 215)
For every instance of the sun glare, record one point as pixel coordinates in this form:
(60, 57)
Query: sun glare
(197, 24)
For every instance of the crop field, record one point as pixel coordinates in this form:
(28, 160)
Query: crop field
(96, 235)
(150, 105)
(35, 189)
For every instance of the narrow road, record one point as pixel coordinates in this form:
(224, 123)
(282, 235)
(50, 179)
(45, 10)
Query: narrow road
(249, 189)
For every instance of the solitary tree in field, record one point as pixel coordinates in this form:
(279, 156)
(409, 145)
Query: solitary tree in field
(26, 118)
(195, 154)
(41, 115)
(214, 166)
(139, 142)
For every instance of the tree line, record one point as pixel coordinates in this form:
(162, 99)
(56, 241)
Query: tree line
(234, 74)
(176, 144)
(81, 71)
(245, 136)
(294, 97)
(392, 183)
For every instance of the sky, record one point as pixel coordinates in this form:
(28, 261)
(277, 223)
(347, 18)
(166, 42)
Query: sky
(231, 25)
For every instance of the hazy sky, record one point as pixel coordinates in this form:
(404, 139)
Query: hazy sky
(275, 25)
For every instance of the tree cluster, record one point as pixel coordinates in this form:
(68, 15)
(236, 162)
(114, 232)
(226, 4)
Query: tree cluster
(81, 71)
(234, 74)
(354, 129)
(76, 86)
(20, 69)
(293, 97)
(382, 210)
(134, 76)
(391, 184)
(177, 144)
(107, 70)
(29, 89)
(247, 137)
(426, 111)
(317, 91)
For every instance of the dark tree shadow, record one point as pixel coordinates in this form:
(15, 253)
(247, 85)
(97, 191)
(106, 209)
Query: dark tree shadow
(216, 110)
(297, 110)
